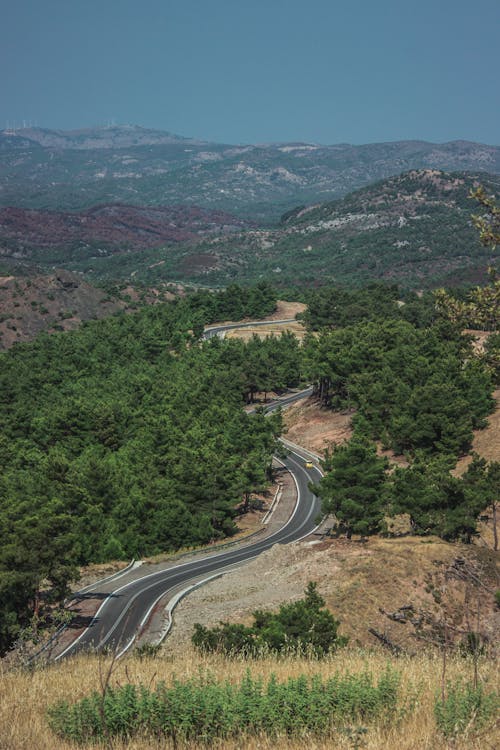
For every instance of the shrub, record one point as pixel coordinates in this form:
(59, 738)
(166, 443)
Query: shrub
(465, 708)
(300, 627)
(148, 650)
(204, 709)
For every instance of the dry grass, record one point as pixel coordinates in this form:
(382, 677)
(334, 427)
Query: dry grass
(284, 311)
(287, 309)
(272, 329)
(486, 442)
(24, 697)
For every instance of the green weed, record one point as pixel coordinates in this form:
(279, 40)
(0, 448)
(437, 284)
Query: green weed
(206, 709)
(466, 708)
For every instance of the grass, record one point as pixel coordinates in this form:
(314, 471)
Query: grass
(25, 698)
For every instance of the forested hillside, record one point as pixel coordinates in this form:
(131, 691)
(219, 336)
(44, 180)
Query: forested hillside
(413, 229)
(126, 438)
(417, 386)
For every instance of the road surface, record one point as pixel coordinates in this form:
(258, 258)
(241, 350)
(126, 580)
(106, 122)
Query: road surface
(123, 612)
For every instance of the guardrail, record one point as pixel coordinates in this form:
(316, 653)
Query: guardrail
(299, 449)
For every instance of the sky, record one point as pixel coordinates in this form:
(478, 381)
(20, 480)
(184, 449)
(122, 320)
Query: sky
(254, 71)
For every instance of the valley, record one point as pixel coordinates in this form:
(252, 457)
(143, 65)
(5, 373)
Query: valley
(215, 314)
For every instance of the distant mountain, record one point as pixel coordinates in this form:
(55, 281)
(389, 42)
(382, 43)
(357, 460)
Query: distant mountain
(78, 169)
(414, 229)
(113, 136)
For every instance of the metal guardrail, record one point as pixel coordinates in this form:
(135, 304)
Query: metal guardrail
(300, 449)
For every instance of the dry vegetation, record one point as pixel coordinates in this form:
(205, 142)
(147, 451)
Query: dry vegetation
(356, 580)
(25, 697)
(284, 311)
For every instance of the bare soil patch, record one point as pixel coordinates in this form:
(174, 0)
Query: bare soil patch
(287, 310)
(480, 338)
(486, 442)
(357, 581)
(316, 428)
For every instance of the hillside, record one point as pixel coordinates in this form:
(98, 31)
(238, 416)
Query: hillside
(75, 170)
(61, 301)
(91, 415)
(54, 237)
(413, 229)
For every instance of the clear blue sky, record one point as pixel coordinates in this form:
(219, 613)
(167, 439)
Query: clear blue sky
(236, 71)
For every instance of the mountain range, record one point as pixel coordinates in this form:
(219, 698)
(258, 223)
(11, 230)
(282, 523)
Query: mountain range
(414, 229)
(128, 203)
(75, 170)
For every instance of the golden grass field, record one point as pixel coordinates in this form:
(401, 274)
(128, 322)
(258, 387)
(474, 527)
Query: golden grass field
(25, 697)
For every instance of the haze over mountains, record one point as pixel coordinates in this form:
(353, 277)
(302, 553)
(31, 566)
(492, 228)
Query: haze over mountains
(125, 202)
(127, 164)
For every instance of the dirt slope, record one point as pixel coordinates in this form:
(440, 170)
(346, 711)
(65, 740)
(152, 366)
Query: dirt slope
(59, 301)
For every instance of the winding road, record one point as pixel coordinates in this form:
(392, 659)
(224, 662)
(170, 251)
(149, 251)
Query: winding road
(124, 610)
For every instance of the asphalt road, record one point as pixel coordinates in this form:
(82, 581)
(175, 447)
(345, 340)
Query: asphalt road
(211, 331)
(123, 613)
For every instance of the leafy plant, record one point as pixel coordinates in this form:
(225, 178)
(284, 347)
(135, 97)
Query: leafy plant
(465, 709)
(203, 709)
(300, 627)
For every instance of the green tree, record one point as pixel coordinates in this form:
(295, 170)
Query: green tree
(437, 502)
(304, 625)
(352, 486)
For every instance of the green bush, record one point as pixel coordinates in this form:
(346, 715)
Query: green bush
(204, 709)
(465, 708)
(300, 627)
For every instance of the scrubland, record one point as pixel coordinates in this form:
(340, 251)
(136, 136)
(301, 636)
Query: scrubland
(25, 697)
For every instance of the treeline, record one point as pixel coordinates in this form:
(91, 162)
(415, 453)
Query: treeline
(413, 388)
(417, 386)
(337, 307)
(123, 439)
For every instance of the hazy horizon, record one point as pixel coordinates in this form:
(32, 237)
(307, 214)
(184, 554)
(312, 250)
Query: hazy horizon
(11, 127)
(269, 72)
